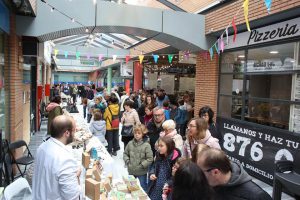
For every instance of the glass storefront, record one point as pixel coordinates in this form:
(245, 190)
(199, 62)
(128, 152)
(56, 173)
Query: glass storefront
(2, 89)
(262, 85)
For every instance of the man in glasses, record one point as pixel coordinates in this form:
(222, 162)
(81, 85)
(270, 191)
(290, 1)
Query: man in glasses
(155, 126)
(229, 179)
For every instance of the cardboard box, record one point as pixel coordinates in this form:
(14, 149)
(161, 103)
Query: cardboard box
(86, 160)
(107, 185)
(92, 189)
(89, 173)
(110, 177)
(97, 173)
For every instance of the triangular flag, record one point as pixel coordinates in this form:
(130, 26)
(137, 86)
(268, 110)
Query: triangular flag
(268, 5)
(141, 57)
(66, 54)
(155, 57)
(234, 28)
(246, 11)
(217, 49)
(114, 57)
(88, 56)
(227, 36)
(100, 57)
(77, 55)
(222, 43)
(170, 57)
(211, 52)
(55, 52)
(127, 58)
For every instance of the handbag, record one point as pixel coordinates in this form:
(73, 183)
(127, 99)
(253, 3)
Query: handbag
(127, 131)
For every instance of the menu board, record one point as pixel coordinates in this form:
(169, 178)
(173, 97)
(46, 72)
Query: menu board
(296, 119)
(297, 87)
(186, 84)
(152, 81)
(167, 83)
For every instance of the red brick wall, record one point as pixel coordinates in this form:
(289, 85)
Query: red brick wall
(220, 18)
(14, 82)
(206, 82)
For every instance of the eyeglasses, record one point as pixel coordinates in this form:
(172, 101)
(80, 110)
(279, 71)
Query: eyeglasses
(158, 115)
(191, 126)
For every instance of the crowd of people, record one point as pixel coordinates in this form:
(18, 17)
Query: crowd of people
(174, 154)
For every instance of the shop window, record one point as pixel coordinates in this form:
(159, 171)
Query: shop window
(230, 107)
(271, 58)
(263, 86)
(270, 86)
(274, 114)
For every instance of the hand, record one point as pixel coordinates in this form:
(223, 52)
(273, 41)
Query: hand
(153, 177)
(78, 173)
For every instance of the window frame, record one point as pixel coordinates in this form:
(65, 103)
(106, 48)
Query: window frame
(246, 74)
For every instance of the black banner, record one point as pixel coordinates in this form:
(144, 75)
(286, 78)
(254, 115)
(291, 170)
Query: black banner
(256, 148)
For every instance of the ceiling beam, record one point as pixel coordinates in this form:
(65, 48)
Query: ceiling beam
(74, 41)
(134, 37)
(118, 39)
(170, 5)
(64, 39)
(114, 44)
(98, 42)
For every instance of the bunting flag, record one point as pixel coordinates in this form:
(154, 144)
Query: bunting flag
(77, 55)
(234, 28)
(222, 43)
(100, 57)
(127, 58)
(217, 50)
(268, 5)
(227, 36)
(55, 52)
(141, 57)
(155, 57)
(66, 54)
(114, 57)
(211, 53)
(88, 56)
(246, 12)
(170, 58)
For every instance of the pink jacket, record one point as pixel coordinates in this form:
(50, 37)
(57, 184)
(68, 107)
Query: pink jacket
(209, 140)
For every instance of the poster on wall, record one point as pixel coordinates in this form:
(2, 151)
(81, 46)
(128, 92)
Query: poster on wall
(186, 84)
(256, 148)
(152, 81)
(167, 83)
(127, 69)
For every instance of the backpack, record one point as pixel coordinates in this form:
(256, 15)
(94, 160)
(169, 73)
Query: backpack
(114, 120)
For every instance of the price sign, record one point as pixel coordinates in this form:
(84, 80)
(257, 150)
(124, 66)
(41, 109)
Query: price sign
(257, 147)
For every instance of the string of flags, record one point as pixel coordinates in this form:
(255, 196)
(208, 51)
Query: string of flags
(219, 45)
(141, 57)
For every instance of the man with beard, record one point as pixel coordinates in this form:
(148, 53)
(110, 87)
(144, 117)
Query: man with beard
(56, 173)
(155, 126)
(161, 97)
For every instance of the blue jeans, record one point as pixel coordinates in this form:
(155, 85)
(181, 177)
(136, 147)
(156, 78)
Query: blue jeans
(143, 181)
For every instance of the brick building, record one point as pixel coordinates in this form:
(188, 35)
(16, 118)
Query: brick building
(253, 85)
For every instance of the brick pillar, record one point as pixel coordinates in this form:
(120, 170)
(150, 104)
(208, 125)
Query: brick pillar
(206, 82)
(138, 76)
(14, 82)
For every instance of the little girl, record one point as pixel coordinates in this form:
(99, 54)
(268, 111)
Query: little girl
(98, 127)
(161, 170)
(138, 155)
